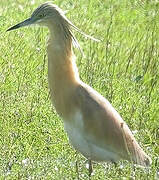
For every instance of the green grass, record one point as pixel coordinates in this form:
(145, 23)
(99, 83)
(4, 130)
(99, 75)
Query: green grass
(124, 67)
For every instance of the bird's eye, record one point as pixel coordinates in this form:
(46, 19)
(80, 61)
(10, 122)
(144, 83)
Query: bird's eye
(41, 15)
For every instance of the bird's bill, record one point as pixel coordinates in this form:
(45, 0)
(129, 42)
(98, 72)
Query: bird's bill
(27, 22)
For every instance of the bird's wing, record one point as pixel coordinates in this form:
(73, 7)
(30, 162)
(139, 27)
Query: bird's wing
(105, 127)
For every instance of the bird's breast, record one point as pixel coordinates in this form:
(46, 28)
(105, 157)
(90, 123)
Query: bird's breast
(74, 127)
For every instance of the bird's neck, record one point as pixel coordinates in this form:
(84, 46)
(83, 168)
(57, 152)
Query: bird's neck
(62, 71)
(61, 57)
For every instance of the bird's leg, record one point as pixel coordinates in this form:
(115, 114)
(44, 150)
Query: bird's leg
(133, 171)
(115, 164)
(76, 156)
(77, 169)
(90, 167)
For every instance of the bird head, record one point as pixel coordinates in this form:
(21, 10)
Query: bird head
(41, 16)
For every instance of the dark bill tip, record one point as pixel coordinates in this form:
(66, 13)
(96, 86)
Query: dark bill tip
(14, 27)
(22, 24)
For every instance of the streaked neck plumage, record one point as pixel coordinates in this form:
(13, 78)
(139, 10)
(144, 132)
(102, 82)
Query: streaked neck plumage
(62, 71)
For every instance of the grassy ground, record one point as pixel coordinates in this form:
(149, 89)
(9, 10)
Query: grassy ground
(124, 67)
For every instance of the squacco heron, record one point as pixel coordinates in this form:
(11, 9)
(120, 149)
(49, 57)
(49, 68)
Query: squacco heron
(93, 126)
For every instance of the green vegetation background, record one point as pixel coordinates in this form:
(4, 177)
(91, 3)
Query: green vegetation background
(123, 67)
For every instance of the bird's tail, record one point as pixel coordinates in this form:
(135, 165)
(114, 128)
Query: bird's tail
(141, 158)
(134, 152)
